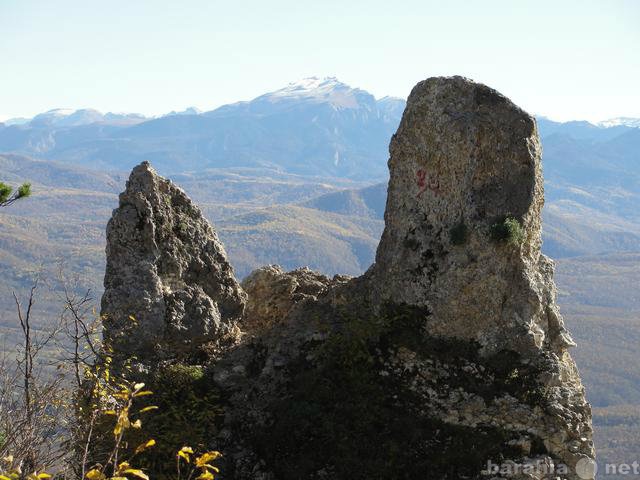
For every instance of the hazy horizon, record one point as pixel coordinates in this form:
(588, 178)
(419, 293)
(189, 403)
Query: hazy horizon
(154, 57)
(205, 109)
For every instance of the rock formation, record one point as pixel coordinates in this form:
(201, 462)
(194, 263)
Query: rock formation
(464, 159)
(169, 287)
(448, 359)
(274, 293)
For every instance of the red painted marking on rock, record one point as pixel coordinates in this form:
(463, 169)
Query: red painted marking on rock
(422, 181)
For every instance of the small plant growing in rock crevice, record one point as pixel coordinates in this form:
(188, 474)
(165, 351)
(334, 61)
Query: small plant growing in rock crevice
(459, 233)
(8, 195)
(507, 230)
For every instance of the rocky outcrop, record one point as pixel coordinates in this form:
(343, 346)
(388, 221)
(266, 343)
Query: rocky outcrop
(448, 359)
(465, 160)
(272, 293)
(169, 287)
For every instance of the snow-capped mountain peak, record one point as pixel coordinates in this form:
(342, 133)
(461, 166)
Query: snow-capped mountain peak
(620, 121)
(53, 114)
(186, 111)
(328, 90)
(311, 86)
(64, 117)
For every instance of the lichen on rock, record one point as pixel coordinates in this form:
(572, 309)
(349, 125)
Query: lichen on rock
(447, 354)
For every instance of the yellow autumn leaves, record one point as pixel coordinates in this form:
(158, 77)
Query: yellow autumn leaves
(121, 403)
(121, 398)
(202, 462)
(127, 394)
(111, 398)
(9, 471)
(123, 472)
(141, 448)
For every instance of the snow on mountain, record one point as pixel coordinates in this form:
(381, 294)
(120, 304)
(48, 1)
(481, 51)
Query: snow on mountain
(124, 118)
(16, 121)
(321, 90)
(51, 117)
(312, 92)
(186, 111)
(311, 87)
(392, 106)
(64, 117)
(620, 121)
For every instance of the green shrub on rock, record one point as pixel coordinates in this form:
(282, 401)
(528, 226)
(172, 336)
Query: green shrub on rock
(459, 234)
(507, 230)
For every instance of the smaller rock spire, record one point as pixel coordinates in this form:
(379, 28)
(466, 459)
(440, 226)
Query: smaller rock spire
(169, 287)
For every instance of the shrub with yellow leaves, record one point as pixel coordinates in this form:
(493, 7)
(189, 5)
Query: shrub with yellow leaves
(200, 466)
(10, 470)
(118, 400)
(86, 422)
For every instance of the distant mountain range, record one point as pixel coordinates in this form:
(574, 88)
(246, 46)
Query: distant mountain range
(66, 118)
(620, 121)
(316, 126)
(333, 134)
(298, 177)
(313, 127)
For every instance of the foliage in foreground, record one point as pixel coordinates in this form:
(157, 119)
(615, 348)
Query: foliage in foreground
(74, 419)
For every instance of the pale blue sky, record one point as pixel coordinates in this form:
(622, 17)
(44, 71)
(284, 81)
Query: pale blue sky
(564, 59)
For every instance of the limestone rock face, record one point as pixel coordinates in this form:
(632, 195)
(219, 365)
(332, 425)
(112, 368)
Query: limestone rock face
(464, 159)
(272, 293)
(447, 359)
(169, 287)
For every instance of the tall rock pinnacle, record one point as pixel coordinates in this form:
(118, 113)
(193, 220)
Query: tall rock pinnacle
(168, 285)
(464, 161)
(462, 241)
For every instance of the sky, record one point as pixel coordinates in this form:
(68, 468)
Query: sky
(562, 59)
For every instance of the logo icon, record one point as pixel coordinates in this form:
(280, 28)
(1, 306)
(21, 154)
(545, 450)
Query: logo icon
(586, 468)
